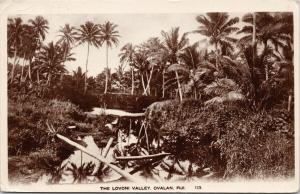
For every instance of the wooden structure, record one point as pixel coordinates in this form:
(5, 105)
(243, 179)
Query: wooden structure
(151, 158)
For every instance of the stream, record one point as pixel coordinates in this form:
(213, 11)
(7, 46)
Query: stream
(158, 173)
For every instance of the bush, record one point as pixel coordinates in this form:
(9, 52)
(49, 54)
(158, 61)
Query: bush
(260, 145)
(230, 138)
(27, 118)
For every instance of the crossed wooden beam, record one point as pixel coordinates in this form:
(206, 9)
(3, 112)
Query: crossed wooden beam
(102, 158)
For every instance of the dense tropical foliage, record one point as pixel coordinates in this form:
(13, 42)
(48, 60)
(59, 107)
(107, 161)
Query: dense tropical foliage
(230, 92)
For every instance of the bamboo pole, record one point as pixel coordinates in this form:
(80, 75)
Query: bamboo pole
(100, 158)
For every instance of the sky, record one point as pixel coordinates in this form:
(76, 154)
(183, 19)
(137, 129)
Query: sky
(133, 28)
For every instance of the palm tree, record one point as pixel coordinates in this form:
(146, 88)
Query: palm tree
(174, 44)
(39, 28)
(218, 27)
(88, 33)
(127, 55)
(192, 58)
(15, 34)
(141, 63)
(26, 50)
(270, 30)
(67, 37)
(110, 36)
(78, 76)
(154, 52)
(50, 61)
(119, 78)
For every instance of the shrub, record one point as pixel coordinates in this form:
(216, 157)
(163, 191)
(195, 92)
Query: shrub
(27, 118)
(230, 138)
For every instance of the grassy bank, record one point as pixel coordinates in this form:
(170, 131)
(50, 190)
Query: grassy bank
(232, 139)
(30, 147)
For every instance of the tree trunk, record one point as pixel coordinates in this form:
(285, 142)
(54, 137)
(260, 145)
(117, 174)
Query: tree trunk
(217, 56)
(267, 71)
(29, 68)
(38, 76)
(143, 84)
(106, 79)
(86, 65)
(22, 70)
(163, 84)
(13, 67)
(132, 81)
(61, 78)
(48, 79)
(266, 65)
(179, 86)
(148, 81)
(65, 58)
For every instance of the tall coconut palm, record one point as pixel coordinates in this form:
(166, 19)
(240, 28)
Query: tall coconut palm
(26, 48)
(15, 34)
(127, 55)
(218, 27)
(39, 28)
(110, 36)
(174, 45)
(89, 33)
(67, 36)
(270, 30)
(154, 51)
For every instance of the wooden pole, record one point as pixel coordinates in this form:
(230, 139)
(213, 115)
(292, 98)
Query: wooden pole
(101, 159)
(107, 147)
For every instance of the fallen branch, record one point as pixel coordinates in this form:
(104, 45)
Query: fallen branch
(142, 157)
(100, 158)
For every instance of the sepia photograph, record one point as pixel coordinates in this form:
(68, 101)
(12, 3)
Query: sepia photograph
(150, 98)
